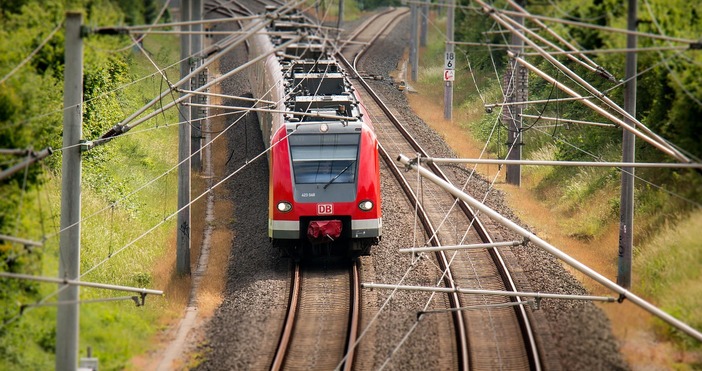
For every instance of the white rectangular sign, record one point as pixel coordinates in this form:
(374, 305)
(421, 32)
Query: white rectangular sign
(449, 75)
(450, 61)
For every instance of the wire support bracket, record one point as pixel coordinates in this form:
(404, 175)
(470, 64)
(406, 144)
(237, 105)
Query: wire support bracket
(138, 300)
(532, 303)
(20, 241)
(461, 247)
(459, 290)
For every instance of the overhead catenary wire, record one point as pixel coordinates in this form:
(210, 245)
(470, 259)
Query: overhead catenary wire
(207, 94)
(217, 46)
(409, 332)
(597, 27)
(130, 29)
(650, 136)
(122, 127)
(613, 51)
(578, 98)
(270, 110)
(572, 121)
(587, 63)
(102, 95)
(597, 68)
(660, 143)
(439, 160)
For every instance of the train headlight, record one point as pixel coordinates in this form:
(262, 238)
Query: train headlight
(284, 206)
(366, 205)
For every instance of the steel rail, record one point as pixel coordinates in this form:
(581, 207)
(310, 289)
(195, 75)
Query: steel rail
(286, 335)
(454, 300)
(375, 37)
(354, 317)
(530, 341)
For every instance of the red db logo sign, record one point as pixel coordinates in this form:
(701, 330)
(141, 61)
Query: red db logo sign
(325, 209)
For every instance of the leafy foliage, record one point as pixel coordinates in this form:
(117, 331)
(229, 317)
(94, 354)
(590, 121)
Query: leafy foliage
(31, 103)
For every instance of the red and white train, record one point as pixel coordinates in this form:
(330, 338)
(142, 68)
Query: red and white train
(324, 185)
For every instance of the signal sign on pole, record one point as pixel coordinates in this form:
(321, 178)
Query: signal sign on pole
(449, 66)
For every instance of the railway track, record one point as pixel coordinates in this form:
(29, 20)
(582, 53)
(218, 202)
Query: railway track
(322, 320)
(491, 338)
(321, 324)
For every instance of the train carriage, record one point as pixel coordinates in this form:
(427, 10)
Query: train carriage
(324, 186)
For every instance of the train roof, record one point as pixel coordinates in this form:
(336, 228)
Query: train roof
(322, 108)
(325, 127)
(318, 84)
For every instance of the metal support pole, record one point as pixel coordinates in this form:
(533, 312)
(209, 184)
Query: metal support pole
(67, 324)
(340, 19)
(196, 44)
(626, 224)
(448, 85)
(413, 43)
(423, 21)
(515, 91)
(183, 228)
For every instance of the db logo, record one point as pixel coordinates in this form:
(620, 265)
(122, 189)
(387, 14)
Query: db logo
(325, 209)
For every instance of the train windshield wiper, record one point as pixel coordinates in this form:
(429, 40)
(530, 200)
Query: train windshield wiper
(338, 175)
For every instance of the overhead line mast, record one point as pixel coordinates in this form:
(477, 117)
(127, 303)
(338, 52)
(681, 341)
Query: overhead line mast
(67, 323)
(626, 212)
(516, 87)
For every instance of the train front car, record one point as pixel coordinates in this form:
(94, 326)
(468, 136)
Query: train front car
(325, 172)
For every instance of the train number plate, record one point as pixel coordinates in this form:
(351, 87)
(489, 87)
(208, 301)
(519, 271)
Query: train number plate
(325, 209)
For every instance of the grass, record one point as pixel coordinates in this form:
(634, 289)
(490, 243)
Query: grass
(670, 270)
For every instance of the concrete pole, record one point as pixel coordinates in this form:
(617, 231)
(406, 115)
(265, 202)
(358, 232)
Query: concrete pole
(413, 43)
(515, 89)
(448, 85)
(183, 229)
(423, 17)
(626, 224)
(67, 317)
(340, 19)
(196, 132)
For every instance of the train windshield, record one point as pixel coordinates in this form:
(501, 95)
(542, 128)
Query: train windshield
(319, 158)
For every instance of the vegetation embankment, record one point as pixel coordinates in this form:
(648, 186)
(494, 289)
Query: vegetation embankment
(583, 203)
(129, 184)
